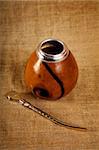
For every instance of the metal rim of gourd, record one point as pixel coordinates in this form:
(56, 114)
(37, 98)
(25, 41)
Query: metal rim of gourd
(57, 56)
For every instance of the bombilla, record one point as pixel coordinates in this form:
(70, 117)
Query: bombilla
(42, 113)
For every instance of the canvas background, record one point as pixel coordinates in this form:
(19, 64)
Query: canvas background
(22, 26)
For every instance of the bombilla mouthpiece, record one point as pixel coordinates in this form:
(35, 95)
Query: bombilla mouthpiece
(52, 50)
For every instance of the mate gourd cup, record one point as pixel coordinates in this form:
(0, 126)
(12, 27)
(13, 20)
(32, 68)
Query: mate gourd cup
(51, 71)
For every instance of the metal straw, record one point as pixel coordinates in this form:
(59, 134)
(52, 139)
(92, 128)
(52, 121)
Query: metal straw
(28, 105)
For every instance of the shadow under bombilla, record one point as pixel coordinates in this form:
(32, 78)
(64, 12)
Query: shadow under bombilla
(51, 71)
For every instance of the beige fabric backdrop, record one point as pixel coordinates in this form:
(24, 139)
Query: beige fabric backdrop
(22, 26)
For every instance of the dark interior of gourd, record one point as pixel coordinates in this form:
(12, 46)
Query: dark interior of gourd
(52, 47)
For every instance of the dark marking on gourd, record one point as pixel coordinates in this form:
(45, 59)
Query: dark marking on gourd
(55, 78)
(41, 92)
(39, 76)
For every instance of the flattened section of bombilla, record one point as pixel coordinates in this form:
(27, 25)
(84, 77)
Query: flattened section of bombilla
(51, 71)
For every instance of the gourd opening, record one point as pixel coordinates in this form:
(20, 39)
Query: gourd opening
(52, 50)
(51, 47)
